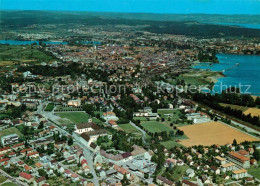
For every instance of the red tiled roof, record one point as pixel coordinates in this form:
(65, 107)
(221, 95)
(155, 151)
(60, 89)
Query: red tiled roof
(239, 156)
(4, 159)
(18, 145)
(25, 175)
(32, 153)
(4, 148)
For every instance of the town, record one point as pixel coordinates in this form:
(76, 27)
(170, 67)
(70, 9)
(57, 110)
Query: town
(124, 108)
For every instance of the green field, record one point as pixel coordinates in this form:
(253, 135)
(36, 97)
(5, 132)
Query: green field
(49, 107)
(234, 106)
(3, 116)
(130, 129)
(178, 172)
(255, 171)
(170, 144)
(8, 131)
(12, 54)
(155, 126)
(9, 184)
(2, 179)
(76, 117)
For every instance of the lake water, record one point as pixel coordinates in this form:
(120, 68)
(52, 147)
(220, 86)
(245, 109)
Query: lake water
(255, 26)
(15, 42)
(238, 69)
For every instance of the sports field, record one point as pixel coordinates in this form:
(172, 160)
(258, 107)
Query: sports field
(252, 111)
(213, 133)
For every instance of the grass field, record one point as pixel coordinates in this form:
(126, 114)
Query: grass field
(8, 131)
(213, 133)
(155, 126)
(170, 144)
(2, 179)
(255, 171)
(75, 117)
(9, 184)
(234, 106)
(49, 107)
(128, 128)
(12, 54)
(252, 111)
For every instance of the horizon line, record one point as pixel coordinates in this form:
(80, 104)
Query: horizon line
(125, 12)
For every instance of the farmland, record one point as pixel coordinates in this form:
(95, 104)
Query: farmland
(252, 111)
(8, 131)
(213, 133)
(12, 54)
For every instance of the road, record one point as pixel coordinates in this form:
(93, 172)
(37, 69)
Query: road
(15, 180)
(141, 130)
(87, 153)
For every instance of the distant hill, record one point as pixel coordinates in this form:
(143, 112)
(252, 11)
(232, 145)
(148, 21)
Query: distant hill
(181, 24)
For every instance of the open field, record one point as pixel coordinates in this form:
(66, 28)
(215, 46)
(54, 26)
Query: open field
(234, 106)
(8, 131)
(49, 107)
(213, 133)
(130, 129)
(255, 171)
(155, 126)
(61, 108)
(75, 117)
(252, 111)
(200, 77)
(12, 54)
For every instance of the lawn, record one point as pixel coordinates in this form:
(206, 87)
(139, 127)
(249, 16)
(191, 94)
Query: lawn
(178, 172)
(130, 129)
(234, 106)
(9, 184)
(49, 107)
(3, 116)
(171, 144)
(2, 179)
(76, 117)
(12, 54)
(8, 131)
(156, 126)
(255, 171)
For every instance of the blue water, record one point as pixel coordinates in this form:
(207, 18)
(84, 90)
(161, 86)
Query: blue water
(246, 74)
(15, 42)
(255, 26)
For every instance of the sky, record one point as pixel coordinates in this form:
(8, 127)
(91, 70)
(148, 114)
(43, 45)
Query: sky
(144, 6)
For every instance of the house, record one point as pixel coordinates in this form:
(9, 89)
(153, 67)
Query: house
(74, 103)
(220, 160)
(228, 167)
(112, 123)
(67, 173)
(215, 170)
(187, 183)
(109, 116)
(9, 139)
(25, 151)
(18, 146)
(238, 174)
(239, 159)
(205, 179)
(23, 176)
(33, 154)
(164, 181)
(4, 150)
(74, 177)
(40, 181)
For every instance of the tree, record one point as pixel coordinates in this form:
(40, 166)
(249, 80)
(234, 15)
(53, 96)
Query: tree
(41, 125)
(256, 154)
(234, 142)
(125, 181)
(70, 141)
